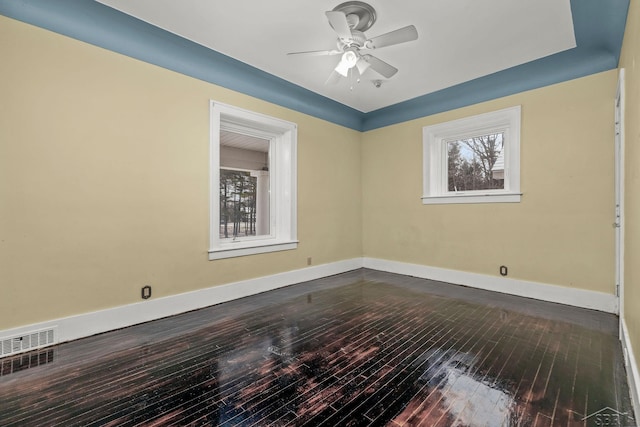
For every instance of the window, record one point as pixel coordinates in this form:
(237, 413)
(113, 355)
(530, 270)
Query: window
(473, 160)
(253, 183)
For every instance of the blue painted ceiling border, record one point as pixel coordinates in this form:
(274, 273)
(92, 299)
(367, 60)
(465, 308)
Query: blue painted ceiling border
(598, 24)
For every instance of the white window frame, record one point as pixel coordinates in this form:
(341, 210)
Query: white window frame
(282, 137)
(434, 148)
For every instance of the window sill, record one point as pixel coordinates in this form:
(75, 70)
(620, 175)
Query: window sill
(472, 198)
(250, 249)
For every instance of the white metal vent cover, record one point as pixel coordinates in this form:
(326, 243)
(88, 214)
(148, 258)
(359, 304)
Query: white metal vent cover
(27, 341)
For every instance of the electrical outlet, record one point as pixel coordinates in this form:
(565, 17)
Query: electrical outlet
(309, 260)
(145, 292)
(503, 270)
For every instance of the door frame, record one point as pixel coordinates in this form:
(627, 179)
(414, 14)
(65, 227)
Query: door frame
(619, 192)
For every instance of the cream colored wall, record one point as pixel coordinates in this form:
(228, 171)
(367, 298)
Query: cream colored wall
(630, 61)
(559, 234)
(104, 181)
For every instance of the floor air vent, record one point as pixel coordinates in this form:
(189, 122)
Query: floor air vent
(26, 342)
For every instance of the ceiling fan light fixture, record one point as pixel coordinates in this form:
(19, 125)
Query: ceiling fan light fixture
(350, 58)
(348, 61)
(342, 69)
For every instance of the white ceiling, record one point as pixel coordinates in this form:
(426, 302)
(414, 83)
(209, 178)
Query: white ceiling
(243, 142)
(459, 40)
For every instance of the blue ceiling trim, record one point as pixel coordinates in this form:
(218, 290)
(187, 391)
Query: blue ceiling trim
(598, 24)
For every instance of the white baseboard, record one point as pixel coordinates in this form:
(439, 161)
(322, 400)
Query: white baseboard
(541, 291)
(84, 325)
(631, 365)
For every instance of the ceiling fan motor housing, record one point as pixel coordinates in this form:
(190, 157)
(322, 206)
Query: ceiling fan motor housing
(358, 40)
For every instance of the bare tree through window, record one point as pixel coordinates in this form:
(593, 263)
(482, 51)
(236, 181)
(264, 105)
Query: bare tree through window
(472, 163)
(237, 204)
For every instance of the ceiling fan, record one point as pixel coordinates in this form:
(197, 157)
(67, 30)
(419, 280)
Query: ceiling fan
(350, 20)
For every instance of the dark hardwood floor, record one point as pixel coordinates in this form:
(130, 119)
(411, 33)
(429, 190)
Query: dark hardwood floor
(361, 348)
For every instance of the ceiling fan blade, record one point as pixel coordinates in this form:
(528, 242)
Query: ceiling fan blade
(362, 65)
(398, 36)
(334, 77)
(316, 53)
(381, 67)
(338, 21)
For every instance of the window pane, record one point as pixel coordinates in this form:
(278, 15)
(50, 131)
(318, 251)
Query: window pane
(244, 186)
(476, 163)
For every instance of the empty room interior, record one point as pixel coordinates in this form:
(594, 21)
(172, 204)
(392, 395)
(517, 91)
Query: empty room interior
(320, 213)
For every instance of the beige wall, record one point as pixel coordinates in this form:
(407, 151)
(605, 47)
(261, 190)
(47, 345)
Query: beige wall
(559, 234)
(630, 61)
(104, 181)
